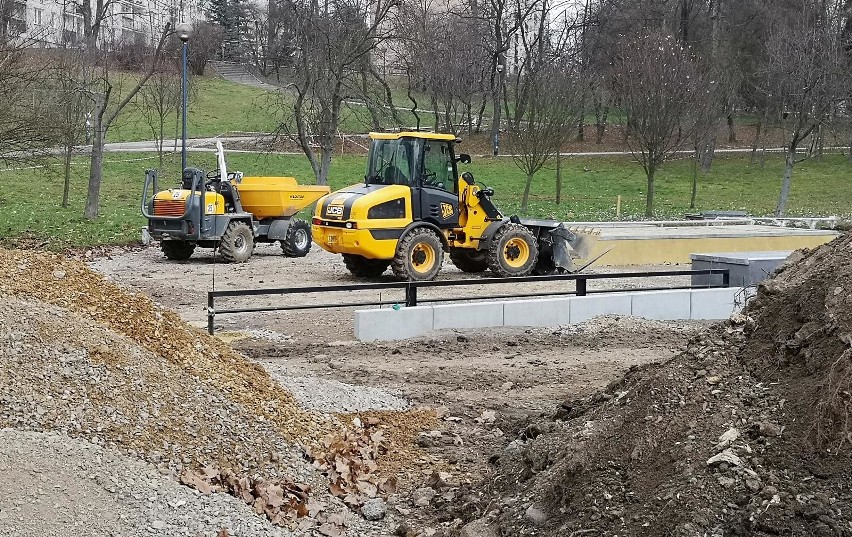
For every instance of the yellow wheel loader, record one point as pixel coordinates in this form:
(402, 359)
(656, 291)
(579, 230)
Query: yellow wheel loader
(413, 207)
(228, 211)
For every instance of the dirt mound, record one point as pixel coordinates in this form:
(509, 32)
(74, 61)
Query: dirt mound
(742, 434)
(90, 360)
(72, 286)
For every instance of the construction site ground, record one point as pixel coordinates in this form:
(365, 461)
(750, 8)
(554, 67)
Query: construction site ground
(484, 384)
(614, 427)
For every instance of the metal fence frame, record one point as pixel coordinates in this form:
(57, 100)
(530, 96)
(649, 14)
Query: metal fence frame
(411, 288)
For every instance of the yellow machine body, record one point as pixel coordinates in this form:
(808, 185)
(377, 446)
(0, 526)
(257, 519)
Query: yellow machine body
(360, 234)
(274, 197)
(343, 222)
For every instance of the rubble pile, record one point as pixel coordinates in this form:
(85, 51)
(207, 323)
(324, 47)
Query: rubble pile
(744, 433)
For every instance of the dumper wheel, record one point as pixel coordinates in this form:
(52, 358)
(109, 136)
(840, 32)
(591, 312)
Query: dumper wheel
(298, 241)
(362, 267)
(419, 255)
(237, 243)
(469, 260)
(177, 250)
(513, 251)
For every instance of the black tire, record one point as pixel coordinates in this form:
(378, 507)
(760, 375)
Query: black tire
(237, 243)
(177, 250)
(469, 260)
(513, 251)
(298, 240)
(362, 267)
(419, 255)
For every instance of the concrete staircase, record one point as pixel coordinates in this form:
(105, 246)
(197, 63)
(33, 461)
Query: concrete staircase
(241, 74)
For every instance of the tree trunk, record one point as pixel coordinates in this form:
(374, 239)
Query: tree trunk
(526, 198)
(325, 164)
(649, 199)
(849, 155)
(95, 172)
(601, 124)
(790, 161)
(559, 176)
(732, 129)
(694, 196)
(66, 187)
(755, 144)
(707, 154)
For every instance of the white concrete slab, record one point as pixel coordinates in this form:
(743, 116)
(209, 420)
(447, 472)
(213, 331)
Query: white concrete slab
(714, 304)
(387, 324)
(474, 315)
(538, 312)
(662, 305)
(584, 308)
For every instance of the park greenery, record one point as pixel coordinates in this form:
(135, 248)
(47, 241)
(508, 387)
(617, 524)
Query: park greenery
(666, 82)
(31, 212)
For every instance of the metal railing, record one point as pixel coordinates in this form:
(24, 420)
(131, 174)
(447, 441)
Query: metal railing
(411, 298)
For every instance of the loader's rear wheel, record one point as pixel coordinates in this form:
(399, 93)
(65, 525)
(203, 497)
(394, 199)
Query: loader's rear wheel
(513, 251)
(468, 260)
(298, 241)
(177, 250)
(418, 255)
(365, 268)
(237, 243)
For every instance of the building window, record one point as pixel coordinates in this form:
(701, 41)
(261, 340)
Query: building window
(37, 13)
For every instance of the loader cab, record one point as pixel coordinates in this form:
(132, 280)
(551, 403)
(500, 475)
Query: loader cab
(425, 163)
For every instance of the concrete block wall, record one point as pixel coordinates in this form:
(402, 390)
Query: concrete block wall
(695, 304)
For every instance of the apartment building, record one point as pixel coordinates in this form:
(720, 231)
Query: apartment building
(60, 23)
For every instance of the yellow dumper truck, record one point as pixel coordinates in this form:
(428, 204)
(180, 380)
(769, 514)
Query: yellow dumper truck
(228, 211)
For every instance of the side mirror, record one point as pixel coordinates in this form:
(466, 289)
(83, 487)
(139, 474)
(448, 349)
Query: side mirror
(464, 158)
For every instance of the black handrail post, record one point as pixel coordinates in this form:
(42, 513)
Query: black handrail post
(581, 286)
(410, 295)
(726, 278)
(211, 313)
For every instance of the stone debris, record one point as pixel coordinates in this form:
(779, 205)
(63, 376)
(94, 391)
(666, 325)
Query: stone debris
(745, 432)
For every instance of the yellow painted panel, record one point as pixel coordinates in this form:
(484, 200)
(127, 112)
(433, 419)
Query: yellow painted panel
(677, 250)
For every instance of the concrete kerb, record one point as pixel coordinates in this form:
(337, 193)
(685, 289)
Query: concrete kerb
(662, 305)
(696, 304)
(388, 324)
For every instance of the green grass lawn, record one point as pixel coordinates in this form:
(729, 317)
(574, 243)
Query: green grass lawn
(30, 199)
(218, 106)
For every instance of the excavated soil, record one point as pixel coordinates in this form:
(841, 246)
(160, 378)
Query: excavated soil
(744, 433)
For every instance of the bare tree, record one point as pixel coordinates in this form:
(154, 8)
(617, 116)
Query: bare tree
(23, 130)
(107, 105)
(332, 44)
(161, 97)
(805, 77)
(657, 83)
(68, 111)
(548, 94)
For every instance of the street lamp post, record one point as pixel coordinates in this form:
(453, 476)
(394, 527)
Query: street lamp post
(496, 141)
(184, 30)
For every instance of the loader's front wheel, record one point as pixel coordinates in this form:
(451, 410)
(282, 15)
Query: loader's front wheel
(513, 251)
(419, 255)
(363, 267)
(298, 241)
(177, 250)
(469, 260)
(237, 243)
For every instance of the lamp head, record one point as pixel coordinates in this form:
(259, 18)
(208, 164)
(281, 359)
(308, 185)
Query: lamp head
(183, 30)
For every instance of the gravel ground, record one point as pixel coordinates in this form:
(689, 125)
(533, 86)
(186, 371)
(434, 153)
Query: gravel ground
(314, 393)
(104, 493)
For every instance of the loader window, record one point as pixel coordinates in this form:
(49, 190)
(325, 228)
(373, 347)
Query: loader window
(438, 166)
(392, 162)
